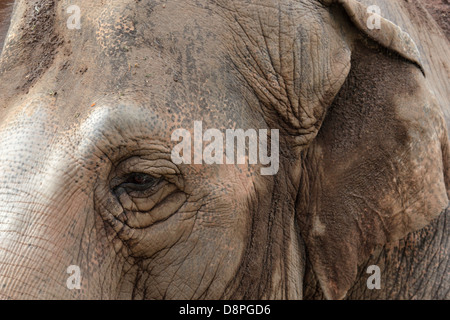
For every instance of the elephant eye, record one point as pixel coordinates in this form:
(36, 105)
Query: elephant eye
(140, 182)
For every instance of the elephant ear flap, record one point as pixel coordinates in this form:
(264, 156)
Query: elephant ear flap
(381, 30)
(379, 166)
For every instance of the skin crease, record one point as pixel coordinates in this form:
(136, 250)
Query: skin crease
(84, 109)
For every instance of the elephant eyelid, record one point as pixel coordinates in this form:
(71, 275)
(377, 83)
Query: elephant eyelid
(137, 182)
(143, 177)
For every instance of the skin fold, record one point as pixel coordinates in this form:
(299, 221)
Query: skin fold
(86, 176)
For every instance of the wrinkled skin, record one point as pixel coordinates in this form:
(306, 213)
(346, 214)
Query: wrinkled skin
(364, 152)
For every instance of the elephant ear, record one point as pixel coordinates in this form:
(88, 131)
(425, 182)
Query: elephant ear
(387, 34)
(379, 166)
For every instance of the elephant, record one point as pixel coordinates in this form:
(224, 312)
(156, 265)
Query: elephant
(89, 185)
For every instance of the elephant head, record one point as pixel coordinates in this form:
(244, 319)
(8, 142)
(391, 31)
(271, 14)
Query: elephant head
(87, 176)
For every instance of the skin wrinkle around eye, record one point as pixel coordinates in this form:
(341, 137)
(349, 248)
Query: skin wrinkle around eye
(136, 237)
(157, 168)
(144, 204)
(138, 205)
(160, 212)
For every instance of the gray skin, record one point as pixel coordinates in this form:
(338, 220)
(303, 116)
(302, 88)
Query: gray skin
(364, 151)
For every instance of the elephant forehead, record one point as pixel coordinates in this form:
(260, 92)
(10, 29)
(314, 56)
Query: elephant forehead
(120, 125)
(164, 27)
(169, 57)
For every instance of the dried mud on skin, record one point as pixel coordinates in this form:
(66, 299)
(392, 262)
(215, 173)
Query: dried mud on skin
(39, 39)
